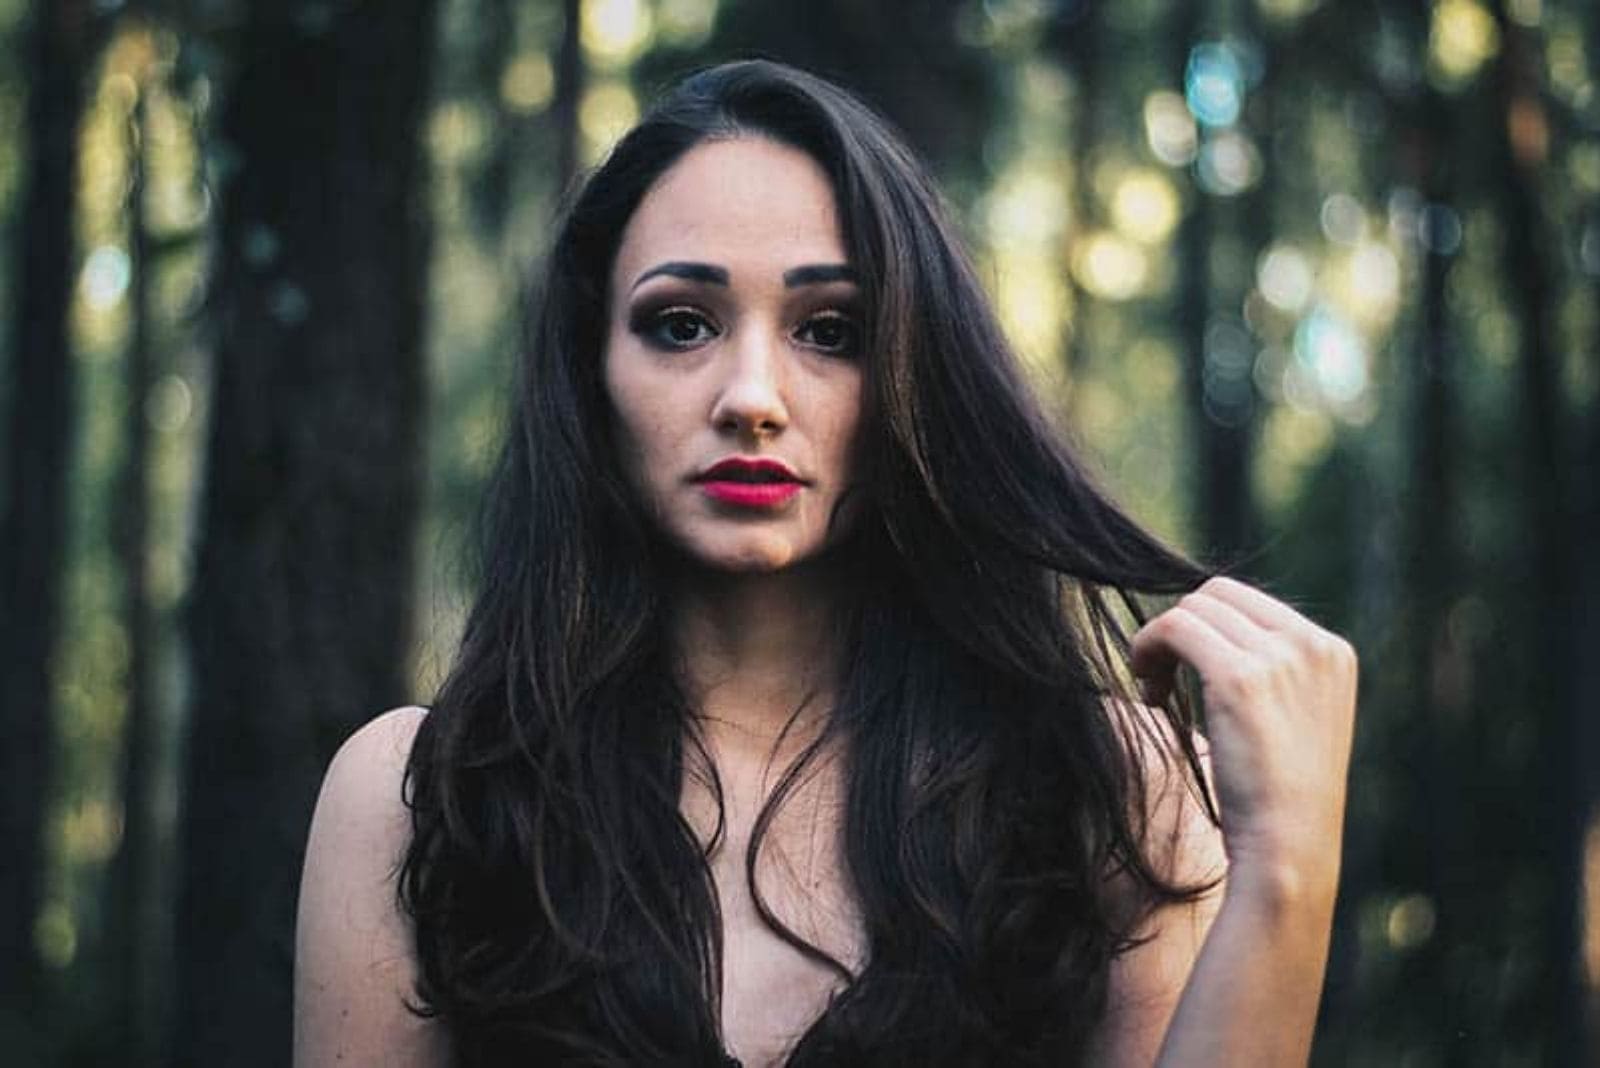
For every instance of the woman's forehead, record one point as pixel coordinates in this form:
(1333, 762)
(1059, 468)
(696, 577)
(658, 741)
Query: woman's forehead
(749, 203)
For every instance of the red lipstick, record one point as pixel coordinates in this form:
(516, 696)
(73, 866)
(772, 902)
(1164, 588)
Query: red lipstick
(750, 483)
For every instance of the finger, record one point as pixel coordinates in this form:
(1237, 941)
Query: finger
(1177, 636)
(1263, 609)
(1234, 625)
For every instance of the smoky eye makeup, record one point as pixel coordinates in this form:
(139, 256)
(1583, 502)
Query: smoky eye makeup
(648, 305)
(835, 331)
(665, 328)
(670, 323)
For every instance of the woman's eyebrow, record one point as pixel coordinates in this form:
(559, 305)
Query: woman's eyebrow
(814, 273)
(694, 272)
(810, 274)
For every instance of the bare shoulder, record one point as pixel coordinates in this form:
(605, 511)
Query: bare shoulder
(354, 961)
(374, 756)
(1184, 846)
(360, 809)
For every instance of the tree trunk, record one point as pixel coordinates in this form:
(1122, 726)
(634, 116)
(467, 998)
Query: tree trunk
(906, 59)
(1437, 733)
(494, 185)
(1586, 632)
(568, 93)
(1230, 519)
(1520, 144)
(1219, 476)
(33, 514)
(1077, 34)
(301, 610)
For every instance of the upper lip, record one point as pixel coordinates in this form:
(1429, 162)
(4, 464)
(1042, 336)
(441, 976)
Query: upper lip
(747, 466)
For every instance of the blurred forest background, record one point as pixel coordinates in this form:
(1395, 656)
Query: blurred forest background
(1316, 284)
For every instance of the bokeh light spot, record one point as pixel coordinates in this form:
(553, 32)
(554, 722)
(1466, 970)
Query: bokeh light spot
(1439, 230)
(1145, 206)
(685, 23)
(1028, 206)
(1031, 304)
(90, 830)
(1528, 129)
(1333, 357)
(1228, 389)
(1461, 38)
(528, 83)
(1229, 164)
(1169, 129)
(289, 304)
(106, 274)
(1583, 165)
(606, 112)
(1110, 266)
(169, 404)
(1589, 250)
(615, 31)
(260, 245)
(1374, 281)
(1285, 278)
(1410, 921)
(1565, 59)
(458, 131)
(1344, 221)
(1214, 85)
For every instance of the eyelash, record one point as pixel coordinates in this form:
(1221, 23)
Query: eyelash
(647, 322)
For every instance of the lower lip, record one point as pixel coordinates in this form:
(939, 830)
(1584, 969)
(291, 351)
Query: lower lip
(751, 494)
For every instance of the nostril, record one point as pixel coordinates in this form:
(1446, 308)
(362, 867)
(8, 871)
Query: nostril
(750, 414)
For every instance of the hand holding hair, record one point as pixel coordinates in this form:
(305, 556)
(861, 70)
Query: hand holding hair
(1279, 695)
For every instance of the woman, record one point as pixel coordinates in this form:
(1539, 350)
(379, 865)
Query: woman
(794, 722)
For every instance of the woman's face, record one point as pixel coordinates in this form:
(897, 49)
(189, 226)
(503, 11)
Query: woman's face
(732, 356)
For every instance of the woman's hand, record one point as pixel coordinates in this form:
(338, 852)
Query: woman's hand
(1279, 695)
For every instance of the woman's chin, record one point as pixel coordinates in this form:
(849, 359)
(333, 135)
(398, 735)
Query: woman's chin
(754, 561)
(751, 555)
(749, 551)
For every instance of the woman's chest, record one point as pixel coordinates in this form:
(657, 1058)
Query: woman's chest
(772, 989)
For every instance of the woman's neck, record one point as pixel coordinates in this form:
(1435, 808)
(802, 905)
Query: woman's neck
(755, 649)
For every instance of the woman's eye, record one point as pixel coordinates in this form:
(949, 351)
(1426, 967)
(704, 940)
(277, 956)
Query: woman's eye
(833, 333)
(675, 329)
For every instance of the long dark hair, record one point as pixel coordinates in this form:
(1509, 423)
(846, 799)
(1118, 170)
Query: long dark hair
(563, 908)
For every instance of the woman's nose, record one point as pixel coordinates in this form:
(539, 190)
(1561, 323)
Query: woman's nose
(751, 400)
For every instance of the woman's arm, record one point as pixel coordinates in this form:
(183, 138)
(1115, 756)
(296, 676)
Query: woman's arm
(1235, 978)
(1184, 847)
(354, 960)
